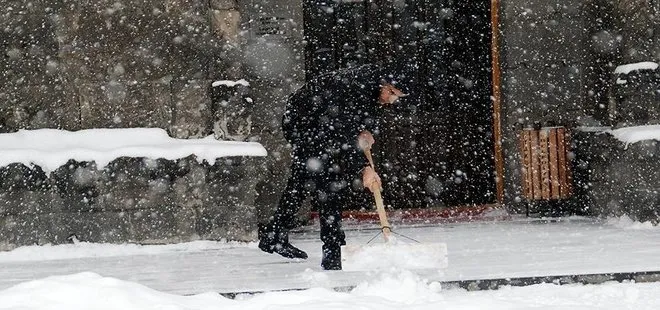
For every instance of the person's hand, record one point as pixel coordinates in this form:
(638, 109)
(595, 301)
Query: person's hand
(365, 140)
(370, 179)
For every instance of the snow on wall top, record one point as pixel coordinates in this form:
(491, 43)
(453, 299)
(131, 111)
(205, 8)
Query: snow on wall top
(634, 134)
(52, 148)
(229, 83)
(626, 69)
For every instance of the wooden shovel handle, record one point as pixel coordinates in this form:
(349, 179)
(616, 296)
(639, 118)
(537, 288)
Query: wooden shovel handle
(380, 207)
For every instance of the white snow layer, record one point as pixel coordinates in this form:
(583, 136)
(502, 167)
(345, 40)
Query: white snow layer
(626, 223)
(627, 68)
(407, 255)
(392, 290)
(229, 83)
(52, 148)
(629, 135)
(75, 250)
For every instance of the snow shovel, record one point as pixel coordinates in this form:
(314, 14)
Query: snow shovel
(393, 252)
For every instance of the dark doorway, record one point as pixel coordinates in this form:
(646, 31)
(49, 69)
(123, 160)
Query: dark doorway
(438, 151)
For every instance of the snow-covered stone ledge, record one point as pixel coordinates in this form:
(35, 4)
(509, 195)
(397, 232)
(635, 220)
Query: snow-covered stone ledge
(125, 185)
(617, 170)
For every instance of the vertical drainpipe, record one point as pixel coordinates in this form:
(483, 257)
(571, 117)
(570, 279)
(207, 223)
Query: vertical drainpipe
(497, 101)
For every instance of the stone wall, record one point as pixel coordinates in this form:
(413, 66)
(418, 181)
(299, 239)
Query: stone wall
(558, 69)
(131, 200)
(544, 48)
(86, 64)
(79, 64)
(618, 179)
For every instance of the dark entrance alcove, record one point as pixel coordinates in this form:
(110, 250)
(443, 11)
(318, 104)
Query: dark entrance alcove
(437, 150)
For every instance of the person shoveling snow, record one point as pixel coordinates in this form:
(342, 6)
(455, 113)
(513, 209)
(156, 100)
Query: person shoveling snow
(322, 122)
(330, 123)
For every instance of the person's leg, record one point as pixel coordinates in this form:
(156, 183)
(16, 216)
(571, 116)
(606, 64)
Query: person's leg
(332, 235)
(273, 237)
(293, 196)
(330, 197)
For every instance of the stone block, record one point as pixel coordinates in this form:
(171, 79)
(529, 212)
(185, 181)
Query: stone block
(546, 42)
(27, 43)
(154, 226)
(32, 229)
(135, 183)
(544, 93)
(50, 228)
(102, 227)
(186, 225)
(124, 104)
(232, 221)
(19, 176)
(223, 4)
(191, 103)
(226, 24)
(189, 188)
(77, 184)
(16, 231)
(26, 202)
(33, 106)
(541, 10)
(229, 210)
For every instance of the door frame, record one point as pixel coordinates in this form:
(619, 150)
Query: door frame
(497, 101)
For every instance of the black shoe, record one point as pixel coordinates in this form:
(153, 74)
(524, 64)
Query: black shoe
(331, 257)
(273, 242)
(285, 249)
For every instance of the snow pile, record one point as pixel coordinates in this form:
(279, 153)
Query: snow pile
(400, 286)
(315, 278)
(399, 291)
(88, 290)
(629, 135)
(625, 222)
(627, 68)
(394, 253)
(85, 249)
(52, 148)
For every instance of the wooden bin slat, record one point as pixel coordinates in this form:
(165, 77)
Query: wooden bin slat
(564, 176)
(554, 169)
(536, 173)
(546, 170)
(544, 165)
(526, 145)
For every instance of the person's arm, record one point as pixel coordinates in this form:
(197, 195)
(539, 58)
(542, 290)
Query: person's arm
(370, 178)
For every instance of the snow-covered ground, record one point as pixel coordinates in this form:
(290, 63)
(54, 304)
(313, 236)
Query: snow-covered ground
(93, 276)
(399, 290)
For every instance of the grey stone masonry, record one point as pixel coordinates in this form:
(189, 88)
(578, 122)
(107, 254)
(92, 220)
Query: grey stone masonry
(80, 64)
(617, 179)
(559, 61)
(131, 200)
(89, 64)
(543, 51)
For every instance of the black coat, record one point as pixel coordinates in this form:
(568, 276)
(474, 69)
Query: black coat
(332, 110)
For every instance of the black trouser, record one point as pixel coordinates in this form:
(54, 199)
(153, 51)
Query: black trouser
(326, 176)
